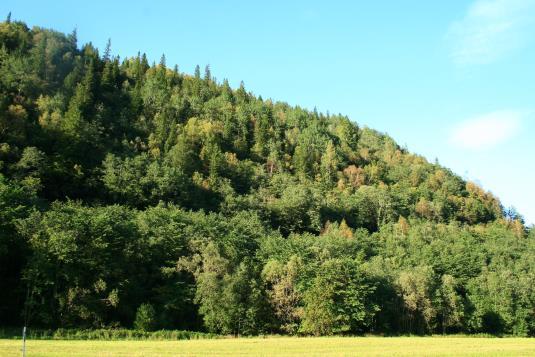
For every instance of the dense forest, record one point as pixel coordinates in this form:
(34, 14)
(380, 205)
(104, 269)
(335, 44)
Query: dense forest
(134, 195)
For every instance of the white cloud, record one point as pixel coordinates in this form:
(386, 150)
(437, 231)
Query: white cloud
(486, 131)
(491, 29)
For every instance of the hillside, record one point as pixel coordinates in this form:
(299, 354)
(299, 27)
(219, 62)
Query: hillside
(135, 195)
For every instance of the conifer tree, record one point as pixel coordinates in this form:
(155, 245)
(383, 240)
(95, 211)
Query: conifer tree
(226, 91)
(73, 38)
(81, 103)
(144, 63)
(207, 74)
(107, 51)
(329, 163)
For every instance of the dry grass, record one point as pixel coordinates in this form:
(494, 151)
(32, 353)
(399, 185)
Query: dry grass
(281, 346)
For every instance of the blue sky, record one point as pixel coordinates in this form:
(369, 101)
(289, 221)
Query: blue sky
(452, 80)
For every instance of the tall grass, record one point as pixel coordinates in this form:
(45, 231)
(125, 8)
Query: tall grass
(103, 334)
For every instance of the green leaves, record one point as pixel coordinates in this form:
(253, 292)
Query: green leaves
(201, 206)
(338, 300)
(145, 318)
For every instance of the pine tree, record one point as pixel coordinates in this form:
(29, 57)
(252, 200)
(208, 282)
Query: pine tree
(207, 74)
(144, 63)
(81, 102)
(197, 72)
(226, 91)
(107, 75)
(8, 18)
(73, 38)
(107, 50)
(241, 94)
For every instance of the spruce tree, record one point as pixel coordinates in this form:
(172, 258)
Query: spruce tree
(73, 38)
(81, 102)
(144, 63)
(207, 74)
(107, 50)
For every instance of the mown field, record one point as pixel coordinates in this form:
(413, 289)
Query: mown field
(281, 346)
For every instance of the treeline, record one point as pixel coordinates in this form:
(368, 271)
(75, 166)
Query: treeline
(134, 195)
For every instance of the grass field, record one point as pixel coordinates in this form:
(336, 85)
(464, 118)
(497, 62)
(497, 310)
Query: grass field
(282, 346)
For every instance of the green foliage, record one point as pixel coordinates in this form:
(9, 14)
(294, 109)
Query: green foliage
(338, 300)
(96, 246)
(125, 186)
(17, 201)
(114, 334)
(145, 318)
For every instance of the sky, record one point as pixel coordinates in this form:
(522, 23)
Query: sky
(450, 80)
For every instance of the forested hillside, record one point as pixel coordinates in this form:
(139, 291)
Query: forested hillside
(134, 195)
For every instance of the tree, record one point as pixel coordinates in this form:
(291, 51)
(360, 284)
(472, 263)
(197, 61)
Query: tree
(77, 122)
(297, 210)
(338, 300)
(145, 318)
(207, 73)
(416, 290)
(230, 300)
(139, 181)
(73, 38)
(329, 164)
(81, 264)
(107, 51)
(284, 295)
(374, 206)
(502, 302)
(16, 202)
(451, 305)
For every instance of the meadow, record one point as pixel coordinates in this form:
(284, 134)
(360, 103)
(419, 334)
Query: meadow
(280, 346)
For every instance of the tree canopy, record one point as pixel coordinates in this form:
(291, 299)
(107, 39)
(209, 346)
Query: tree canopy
(139, 196)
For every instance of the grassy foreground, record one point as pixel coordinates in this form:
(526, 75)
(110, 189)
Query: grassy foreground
(281, 346)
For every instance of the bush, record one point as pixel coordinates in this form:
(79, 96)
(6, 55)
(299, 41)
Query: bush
(104, 334)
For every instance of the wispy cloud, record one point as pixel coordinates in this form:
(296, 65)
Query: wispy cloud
(488, 130)
(491, 29)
